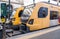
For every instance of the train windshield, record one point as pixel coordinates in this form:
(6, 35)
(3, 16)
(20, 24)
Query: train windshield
(25, 16)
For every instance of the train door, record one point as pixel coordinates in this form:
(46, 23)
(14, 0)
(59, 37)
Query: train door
(44, 15)
(53, 18)
(59, 17)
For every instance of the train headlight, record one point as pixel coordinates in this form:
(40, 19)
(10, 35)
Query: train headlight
(31, 21)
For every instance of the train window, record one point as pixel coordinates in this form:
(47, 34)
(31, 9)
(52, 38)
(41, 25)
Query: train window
(43, 12)
(20, 13)
(53, 15)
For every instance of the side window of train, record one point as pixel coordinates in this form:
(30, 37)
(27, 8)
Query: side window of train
(53, 15)
(20, 13)
(43, 12)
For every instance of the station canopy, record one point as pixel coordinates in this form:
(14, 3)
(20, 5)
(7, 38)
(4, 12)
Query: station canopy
(28, 2)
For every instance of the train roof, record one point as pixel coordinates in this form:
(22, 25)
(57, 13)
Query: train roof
(43, 2)
(51, 4)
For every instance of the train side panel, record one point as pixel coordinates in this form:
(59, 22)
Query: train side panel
(39, 22)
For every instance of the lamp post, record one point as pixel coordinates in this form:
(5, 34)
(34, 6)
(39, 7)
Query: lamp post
(9, 9)
(57, 2)
(48, 1)
(34, 2)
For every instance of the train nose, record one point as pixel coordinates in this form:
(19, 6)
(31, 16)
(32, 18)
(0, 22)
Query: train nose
(24, 29)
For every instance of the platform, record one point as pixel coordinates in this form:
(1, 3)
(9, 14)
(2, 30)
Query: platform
(50, 33)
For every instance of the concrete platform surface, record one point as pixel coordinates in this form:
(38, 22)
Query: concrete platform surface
(50, 33)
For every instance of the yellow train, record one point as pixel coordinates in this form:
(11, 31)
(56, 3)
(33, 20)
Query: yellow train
(43, 15)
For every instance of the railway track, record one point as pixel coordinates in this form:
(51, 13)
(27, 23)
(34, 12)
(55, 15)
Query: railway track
(16, 33)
